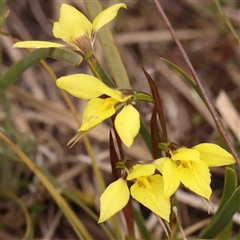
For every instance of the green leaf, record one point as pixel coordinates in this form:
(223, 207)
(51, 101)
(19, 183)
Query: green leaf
(230, 185)
(34, 57)
(19, 67)
(65, 56)
(188, 78)
(228, 207)
(226, 232)
(109, 48)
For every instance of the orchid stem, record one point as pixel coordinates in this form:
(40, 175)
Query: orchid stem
(98, 70)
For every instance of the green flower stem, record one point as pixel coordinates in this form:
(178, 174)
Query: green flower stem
(100, 73)
(98, 70)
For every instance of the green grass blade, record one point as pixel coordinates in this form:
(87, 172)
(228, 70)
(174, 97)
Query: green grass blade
(65, 56)
(109, 48)
(19, 67)
(34, 57)
(185, 75)
(228, 207)
(230, 185)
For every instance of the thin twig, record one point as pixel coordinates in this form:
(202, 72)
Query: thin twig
(195, 77)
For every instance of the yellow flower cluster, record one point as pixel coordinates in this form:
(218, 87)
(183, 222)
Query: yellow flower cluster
(189, 166)
(127, 122)
(154, 183)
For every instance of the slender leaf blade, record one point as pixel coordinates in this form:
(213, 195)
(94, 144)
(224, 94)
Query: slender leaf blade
(229, 205)
(65, 56)
(185, 75)
(11, 76)
(14, 72)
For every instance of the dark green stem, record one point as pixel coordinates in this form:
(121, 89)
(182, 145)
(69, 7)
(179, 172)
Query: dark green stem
(98, 70)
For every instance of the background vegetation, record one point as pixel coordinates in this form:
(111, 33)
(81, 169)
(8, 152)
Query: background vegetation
(36, 118)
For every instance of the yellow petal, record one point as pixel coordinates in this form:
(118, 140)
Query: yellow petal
(96, 111)
(72, 24)
(186, 154)
(160, 163)
(170, 179)
(106, 16)
(195, 176)
(113, 93)
(110, 202)
(149, 192)
(140, 170)
(81, 85)
(37, 44)
(127, 124)
(56, 30)
(87, 87)
(214, 155)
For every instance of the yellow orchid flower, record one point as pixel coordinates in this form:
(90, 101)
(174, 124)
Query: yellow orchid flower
(147, 189)
(127, 122)
(191, 167)
(75, 29)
